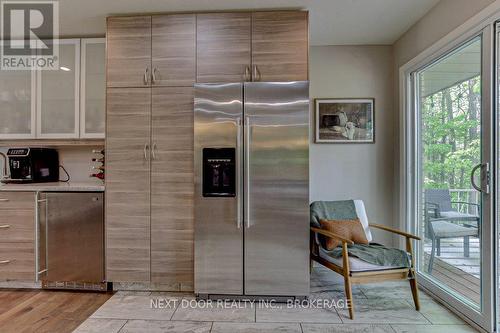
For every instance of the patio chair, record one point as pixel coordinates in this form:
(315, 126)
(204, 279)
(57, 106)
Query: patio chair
(355, 270)
(442, 221)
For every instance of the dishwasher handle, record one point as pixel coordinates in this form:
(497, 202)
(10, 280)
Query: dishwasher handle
(42, 222)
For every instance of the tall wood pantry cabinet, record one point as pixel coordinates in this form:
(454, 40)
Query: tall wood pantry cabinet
(152, 63)
(149, 150)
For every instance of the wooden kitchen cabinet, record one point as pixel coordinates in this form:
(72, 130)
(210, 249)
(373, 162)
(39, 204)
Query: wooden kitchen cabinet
(173, 50)
(172, 187)
(17, 236)
(223, 47)
(128, 51)
(280, 46)
(128, 184)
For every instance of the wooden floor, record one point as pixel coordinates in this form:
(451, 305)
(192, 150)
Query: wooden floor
(28, 310)
(456, 279)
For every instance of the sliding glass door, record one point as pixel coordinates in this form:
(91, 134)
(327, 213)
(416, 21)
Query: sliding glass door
(450, 199)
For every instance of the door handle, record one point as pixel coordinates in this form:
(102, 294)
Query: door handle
(146, 74)
(256, 73)
(153, 78)
(486, 176)
(248, 75)
(5, 226)
(4, 200)
(153, 151)
(247, 171)
(145, 151)
(4, 261)
(238, 159)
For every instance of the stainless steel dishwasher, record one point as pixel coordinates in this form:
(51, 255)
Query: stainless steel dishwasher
(71, 240)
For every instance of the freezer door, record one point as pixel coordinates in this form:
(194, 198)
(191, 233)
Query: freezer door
(218, 134)
(276, 188)
(74, 237)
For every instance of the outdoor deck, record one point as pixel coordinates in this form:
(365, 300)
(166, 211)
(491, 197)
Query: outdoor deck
(454, 270)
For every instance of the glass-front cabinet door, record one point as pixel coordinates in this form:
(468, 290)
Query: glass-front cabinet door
(18, 103)
(58, 90)
(450, 195)
(93, 88)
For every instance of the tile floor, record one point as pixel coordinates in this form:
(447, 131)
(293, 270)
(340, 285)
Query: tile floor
(379, 308)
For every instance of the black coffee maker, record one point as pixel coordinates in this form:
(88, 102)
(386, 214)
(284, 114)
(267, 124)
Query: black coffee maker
(33, 165)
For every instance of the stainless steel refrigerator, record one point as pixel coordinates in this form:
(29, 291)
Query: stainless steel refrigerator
(251, 143)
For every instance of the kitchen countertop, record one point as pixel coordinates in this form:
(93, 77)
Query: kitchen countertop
(55, 187)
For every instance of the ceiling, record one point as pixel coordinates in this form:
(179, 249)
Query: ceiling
(332, 22)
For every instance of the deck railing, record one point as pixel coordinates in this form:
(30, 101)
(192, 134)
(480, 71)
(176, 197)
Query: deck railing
(466, 195)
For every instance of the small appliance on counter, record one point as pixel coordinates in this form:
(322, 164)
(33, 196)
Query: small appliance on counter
(32, 165)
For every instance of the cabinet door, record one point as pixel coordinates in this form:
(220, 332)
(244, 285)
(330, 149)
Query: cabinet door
(128, 184)
(128, 51)
(58, 100)
(18, 110)
(223, 47)
(92, 88)
(174, 50)
(172, 189)
(280, 46)
(17, 236)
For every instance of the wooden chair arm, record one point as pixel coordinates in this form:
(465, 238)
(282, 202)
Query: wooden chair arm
(331, 235)
(395, 231)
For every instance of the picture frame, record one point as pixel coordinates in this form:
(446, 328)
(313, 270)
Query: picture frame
(344, 120)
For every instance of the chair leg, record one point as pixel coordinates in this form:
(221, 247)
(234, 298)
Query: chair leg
(414, 292)
(348, 293)
(431, 259)
(438, 245)
(466, 246)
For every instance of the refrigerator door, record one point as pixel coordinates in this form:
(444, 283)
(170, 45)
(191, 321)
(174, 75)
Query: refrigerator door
(276, 188)
(218, 111)
(74, 237)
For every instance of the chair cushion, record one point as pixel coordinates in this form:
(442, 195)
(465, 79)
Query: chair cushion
(444, 229)
(355, 264)
(349, 229)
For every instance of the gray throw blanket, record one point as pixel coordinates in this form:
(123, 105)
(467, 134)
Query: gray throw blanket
(375, 254)
(332, 210)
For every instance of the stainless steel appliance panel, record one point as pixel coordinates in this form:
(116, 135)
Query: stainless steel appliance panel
(218, 219)
(277, 188)
(73, 229)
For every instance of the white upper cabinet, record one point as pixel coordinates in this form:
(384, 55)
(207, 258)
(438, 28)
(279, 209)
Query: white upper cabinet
(58, 101)
(66, 103)
(93, 88)
(17, 104)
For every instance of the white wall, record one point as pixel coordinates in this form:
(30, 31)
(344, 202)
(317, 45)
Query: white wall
(356, 171)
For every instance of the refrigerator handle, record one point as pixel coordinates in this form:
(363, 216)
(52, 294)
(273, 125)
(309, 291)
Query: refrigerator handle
(238, 168)
(247, 170)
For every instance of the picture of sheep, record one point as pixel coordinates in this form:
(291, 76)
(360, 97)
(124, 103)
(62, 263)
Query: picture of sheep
(344, 120)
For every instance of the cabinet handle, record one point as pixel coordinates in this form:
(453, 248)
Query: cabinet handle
(248, 75)
(4, 200)
(4, 261)
(5, 226)
(153, 75)
(146, 148)
(146, 74)
(256, 73)
(153, 151)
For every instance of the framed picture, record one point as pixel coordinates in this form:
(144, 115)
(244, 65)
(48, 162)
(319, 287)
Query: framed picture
(344, 120)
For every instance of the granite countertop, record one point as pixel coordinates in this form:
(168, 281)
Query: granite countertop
(55, 187)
